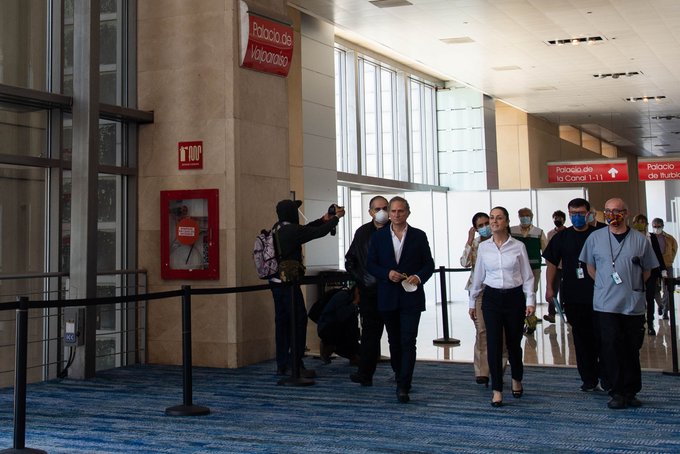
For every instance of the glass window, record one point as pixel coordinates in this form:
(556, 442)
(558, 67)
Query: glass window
(377, 85)
(111, 150)
(341, 111)
(22, 211)
(23, 43)
(422, 126)
(389, 133)
(23, 130)
(110, 56)
(393, 116)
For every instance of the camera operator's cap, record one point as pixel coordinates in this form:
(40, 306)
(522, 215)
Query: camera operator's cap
(287, 210)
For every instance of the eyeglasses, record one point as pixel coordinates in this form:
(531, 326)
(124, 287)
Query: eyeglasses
(615, 212)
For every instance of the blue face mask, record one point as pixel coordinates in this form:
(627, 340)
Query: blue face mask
(525, 220)
(484, 231)
(578, 220)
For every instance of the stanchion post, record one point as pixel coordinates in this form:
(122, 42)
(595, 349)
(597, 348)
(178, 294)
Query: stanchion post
(446, 340)
(674, 338)
(187, 408)
(20, 363)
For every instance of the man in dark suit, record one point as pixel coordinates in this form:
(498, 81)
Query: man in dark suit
(400, 259)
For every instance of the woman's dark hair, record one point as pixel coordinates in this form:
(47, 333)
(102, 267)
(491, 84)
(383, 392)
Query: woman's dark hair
(476, 217)
(505, 213)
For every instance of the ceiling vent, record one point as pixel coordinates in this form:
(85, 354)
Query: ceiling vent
(390, 3)
(576, 41)
(666, 117)
(458, 40)
(617, 75)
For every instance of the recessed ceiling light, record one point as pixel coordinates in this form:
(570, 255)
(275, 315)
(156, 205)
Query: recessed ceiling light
(506, 68)
(458, 40)
(390, 3)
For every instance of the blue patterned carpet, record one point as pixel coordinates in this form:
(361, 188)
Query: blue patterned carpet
(123, 410)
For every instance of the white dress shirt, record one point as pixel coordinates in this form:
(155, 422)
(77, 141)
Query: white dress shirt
(502, 268)
(398, 244)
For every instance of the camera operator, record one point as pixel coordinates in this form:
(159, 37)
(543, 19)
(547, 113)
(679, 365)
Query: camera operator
(289, 240)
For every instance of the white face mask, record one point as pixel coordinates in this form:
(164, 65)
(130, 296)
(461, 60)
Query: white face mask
(381, 217)
(658, 230)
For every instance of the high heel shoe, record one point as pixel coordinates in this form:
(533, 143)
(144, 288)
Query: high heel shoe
(497, 403)
(519, 393)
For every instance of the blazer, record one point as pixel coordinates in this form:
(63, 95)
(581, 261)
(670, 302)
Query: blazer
(416, 258)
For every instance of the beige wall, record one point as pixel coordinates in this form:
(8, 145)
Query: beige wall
(189, 76)
(527, 143)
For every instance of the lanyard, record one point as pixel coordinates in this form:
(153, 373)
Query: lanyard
(611, 249)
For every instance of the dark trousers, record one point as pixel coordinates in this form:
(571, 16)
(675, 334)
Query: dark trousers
(584, 331)
(621, 339)
(504, 311)
(402, 331)
(650, 290)
(556, 287)
(282, 319)
(371, 331)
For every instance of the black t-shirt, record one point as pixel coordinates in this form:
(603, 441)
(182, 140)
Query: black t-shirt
(566, 247)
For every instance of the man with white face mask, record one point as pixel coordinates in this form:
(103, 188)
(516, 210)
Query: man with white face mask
(534, 240)
(669, 248)
(355, 263)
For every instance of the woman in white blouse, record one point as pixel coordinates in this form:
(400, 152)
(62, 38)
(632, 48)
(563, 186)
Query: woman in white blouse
(502, 270)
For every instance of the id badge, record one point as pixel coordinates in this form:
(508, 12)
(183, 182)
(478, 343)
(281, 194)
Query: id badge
(617, 278)
(579, 273)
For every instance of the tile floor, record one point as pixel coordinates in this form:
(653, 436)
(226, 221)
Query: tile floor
(551, 344)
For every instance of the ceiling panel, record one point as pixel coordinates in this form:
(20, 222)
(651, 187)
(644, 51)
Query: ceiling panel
(555, 82)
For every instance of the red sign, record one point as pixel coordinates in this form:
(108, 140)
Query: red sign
(190, 155)
(186, 231)
(583, 172)
(267, 46)
(659, 169)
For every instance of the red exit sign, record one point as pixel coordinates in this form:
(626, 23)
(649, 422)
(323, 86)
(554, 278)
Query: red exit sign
(583, 172)
(190, 155)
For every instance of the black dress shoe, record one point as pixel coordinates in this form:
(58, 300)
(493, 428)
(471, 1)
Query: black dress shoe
(361, 379)
(633, 401)
(617, 402)
(402, 395)
(307, 373)
(481, 380)
(282, 370)
(519, 393)
(651, 332)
